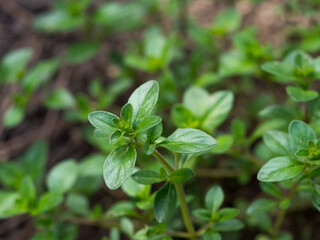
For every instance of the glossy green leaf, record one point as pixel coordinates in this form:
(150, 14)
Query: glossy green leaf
(136, 190)
(148, 122)
(261, 205)
(62, 176)
(301, 133)
(13, 64)
(144, 99)
(165, 202)
(181, 175)
(279, 142)
(60, 99)
(188, 140)
(103, 120)
(300, 95)
(154, 133)
(13, 116)
(126, 112)
(119, 165)
(146, 177)
(279, 169)
(214, 199)
(115, 137)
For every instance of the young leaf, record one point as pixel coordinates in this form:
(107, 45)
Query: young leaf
(126, 112)
(165, 202)
(181, 175)
(183, 117)
(119, 165)
(279, 169)
(211, 234)
(82, 51)
(146, 177)
(300, 95)
(115, 137)
(214, 198)
(62, 176)
(283, 71)
(189, 140)
(103, 120)
(279, 142)
(148, 122)
(196, 100)
(143, 100)
(301, 133)
(27, 189)
(154, 133)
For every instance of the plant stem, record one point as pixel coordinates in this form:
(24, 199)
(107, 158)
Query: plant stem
(279, 221)
(181, 196)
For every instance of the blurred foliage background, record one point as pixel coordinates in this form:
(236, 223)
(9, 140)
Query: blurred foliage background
(60, 60)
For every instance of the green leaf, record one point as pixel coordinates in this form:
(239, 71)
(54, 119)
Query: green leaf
(316, 198)
(103, 120)
(27, 189)
(183, 117)
(91, 165)
(219, 106)
(147, 177)
(165, 202)
(154, 133)
(136, 190)
(60, 99)
(13, 64)
(203, 214)
(9, 205)
(279, 142)
(214, 198)
(226, 22)
(11, 174)
(279, 169)
(13, 116)
(82, 51)
(127, 226)
(78, 204)
(115, 137)
(230, 225)
(34, 161)
(144, 99)
(299, 95)
(48, 201)
(188, 140)
(62, 176)
(43, 235)
(271, 189)
(224, 142)
(126, 113)
(148, 122)
(181, 175)
(283, 71)
(119, 165)
(301, 133)
(261, 205)
(211, 234)
(227, 214)
(40, 74)
(196, 100)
